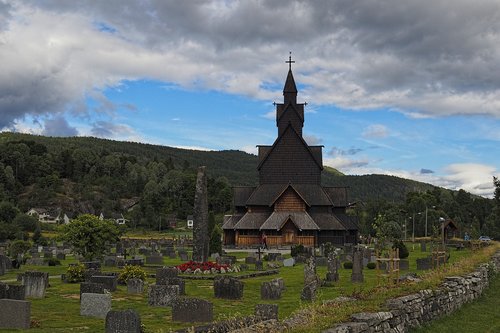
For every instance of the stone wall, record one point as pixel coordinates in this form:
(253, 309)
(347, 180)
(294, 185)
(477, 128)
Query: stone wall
(406, 312)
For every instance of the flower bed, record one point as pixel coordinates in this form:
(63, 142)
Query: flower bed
(208, 267)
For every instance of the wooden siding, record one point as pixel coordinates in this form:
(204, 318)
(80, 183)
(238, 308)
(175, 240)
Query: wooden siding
(289, 201)
(273, 241)
(290, 117)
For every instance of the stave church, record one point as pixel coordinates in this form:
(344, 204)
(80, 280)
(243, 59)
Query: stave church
(289, 206)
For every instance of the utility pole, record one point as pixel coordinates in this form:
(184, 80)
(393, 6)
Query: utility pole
(426, 220)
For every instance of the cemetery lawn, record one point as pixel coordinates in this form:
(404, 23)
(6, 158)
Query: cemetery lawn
(480, 316)
(59, 311)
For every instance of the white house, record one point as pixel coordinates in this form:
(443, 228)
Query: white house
(44, 216)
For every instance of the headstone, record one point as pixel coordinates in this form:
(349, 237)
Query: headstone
(266, 311)
(127, 321)
(200, 217)
(357, 266)
(154, 260)
(423, 246)
(300, 259)
(91, 288)
(321, 261)
(162, 295)
(424, 263)
(89, 273)
(289, 262)
(135, 286)
(92, 265)
(404, 265)
(35, 284)
(333, 265)
(163, 274)
(271, 289)
(12, 291)
(228, 287)
(250, 260)
(60, 256)
(189, 310)
(110, 261)
(134, 262)
(95, 305)
(36, 262)
(15, 314)
(311, 280)
(273, 256)
(109, 282)
(259, 265)
(47, 255)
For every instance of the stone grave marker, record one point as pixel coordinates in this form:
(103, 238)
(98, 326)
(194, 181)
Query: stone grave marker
(357, 266)
(154, 260)
(311, 280)
(424, 263)
(290, 262)
(321, 261)
(333, 266)
(404, 265)
(91, 288)
(423, 246)
(189, 310)
(127, 321)
(159, 295)
(110, 261)
(95, 305)
(60, 256)
(228, 287)
(135, 286)
(200, 217)
(259, 265)
(266, 311)
(15, 314)
(271, 289)
(250, 260)
(35, 284)
(110, 282)
(12, 291)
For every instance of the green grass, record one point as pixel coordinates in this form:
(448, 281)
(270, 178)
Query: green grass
(480, 316)
(59, 310)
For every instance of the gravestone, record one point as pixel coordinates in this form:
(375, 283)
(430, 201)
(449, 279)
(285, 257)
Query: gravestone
(159, 295)
(273, 256)
(91, 288)
(92, 265)
(228, 287)
(423, 246)
(271, 289)
(357, 266)
(154, 260)
(60, 256)
(259, 265)
(404, 265)
(110, 261)
(311, 280)
(189, 310)
(135, 286)
(183, 256)
(36, 262)
(424, 263)
(127, 321)
(333, 265)
(15, 314)
(119, 248)
(250, 260)
(200, 218)
(266, 311)
(290, 262)
(165, 273)
(95, 305)
(109, 282)
(35, 284)
(12, 291)
(134, 262)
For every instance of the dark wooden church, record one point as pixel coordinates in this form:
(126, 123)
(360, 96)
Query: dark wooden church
(289, 205)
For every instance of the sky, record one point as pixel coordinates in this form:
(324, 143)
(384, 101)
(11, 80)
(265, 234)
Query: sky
(404, 88)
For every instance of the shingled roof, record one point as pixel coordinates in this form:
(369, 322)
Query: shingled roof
(231, 221)
(327, 221)
(241, 195)
(302, 221)
(349, 222)
(251, 221)
(267, 194)
(337, 195)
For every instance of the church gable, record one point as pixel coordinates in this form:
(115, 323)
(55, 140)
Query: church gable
(289, 201)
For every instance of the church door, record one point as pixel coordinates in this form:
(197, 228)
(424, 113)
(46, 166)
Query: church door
(289, 231)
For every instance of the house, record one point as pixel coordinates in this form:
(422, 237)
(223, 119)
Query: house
(190, 221)
(289, 205)
(118, 218)
(44, 215)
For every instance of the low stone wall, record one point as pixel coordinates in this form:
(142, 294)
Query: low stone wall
(406, 312)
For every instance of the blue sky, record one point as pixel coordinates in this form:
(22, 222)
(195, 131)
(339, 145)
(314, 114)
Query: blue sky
(405, 89)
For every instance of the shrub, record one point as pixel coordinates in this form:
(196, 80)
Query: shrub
(371, 265)
(75, 273)
(348, 265)
(328, 248)
(403, 251)
(53, 262)
(296, 250)
(131, 272)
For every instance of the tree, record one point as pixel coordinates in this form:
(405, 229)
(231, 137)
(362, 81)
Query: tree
(90, 236)
(26, 222)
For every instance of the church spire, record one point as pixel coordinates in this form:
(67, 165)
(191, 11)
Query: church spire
(290, 89)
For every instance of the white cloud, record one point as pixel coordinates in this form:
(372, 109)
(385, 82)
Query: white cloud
(375, 131)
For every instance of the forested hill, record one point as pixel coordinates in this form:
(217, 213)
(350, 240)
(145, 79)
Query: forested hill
(94, 174)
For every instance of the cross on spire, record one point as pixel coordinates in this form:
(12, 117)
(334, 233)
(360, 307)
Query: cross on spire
(290, 61)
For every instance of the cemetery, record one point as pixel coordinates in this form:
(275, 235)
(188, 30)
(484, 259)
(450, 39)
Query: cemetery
(239, 293)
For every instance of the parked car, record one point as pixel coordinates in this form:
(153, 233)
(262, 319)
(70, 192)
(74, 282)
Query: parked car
(484, 239)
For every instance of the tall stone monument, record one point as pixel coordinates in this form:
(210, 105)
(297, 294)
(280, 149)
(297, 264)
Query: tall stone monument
(200, 218)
